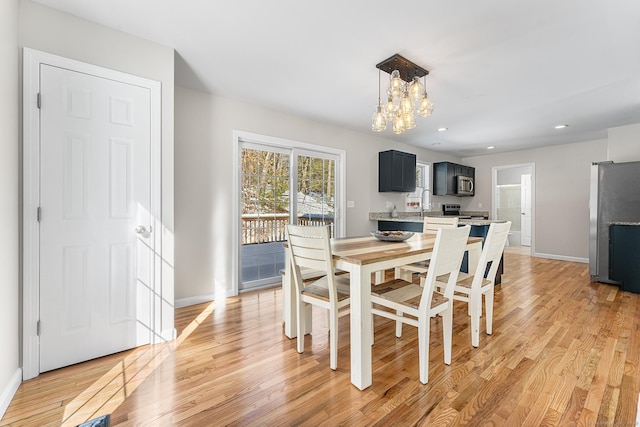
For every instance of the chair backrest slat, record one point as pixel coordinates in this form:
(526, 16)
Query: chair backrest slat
(436, 223)
(492, 251)
(309, 251)
(446, 259)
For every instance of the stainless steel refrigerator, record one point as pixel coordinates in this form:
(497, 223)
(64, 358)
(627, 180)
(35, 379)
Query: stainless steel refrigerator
(615, 197)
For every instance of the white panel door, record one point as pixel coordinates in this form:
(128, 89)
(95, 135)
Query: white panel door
(525, 209)
(95, 234)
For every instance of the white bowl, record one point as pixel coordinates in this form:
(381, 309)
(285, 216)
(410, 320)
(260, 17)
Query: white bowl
(392, 236)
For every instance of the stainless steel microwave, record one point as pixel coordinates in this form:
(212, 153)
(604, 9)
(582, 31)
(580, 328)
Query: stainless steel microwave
(464, 185)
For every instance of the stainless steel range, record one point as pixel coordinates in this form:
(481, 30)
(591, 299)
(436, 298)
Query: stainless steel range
(453, 210)
(450, 210)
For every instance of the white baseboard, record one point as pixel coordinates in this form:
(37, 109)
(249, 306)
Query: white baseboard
(185, 302)
(562, 257)
(10, 391)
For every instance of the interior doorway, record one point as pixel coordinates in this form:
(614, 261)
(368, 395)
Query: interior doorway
(513, 200)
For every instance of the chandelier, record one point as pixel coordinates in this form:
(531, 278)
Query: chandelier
(406, 96)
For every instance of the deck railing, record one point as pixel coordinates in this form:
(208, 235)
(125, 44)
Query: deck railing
(265, 229)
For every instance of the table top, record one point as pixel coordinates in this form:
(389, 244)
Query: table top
(368, 250)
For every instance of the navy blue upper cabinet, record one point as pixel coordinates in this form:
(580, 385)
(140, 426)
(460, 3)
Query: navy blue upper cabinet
(396, 171)
(445, 178)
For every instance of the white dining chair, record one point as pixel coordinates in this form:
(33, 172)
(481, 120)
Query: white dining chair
(309, 247)
(471, 288)
(406, 272)
(415, 305)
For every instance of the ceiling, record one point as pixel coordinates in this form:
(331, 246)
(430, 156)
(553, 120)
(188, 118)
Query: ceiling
(502, 73)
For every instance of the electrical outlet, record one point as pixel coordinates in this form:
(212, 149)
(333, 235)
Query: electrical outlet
(479, 204)
(389, 205)
(351, 204)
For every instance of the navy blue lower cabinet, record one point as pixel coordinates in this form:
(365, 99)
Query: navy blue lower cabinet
(624, 256)
(482, 231)
(400, 226)
(476, 231)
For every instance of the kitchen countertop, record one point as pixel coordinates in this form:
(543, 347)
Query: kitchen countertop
(611, 223)
(412, 217)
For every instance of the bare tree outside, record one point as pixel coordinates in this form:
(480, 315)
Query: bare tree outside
(266, 194)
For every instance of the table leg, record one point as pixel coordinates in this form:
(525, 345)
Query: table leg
(361, 328)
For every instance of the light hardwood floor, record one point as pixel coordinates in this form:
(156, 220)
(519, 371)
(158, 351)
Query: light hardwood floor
(563, 352)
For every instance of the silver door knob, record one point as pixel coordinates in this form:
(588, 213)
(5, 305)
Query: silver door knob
(141, 229)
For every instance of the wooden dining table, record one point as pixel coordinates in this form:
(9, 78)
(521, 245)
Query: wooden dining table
(362, 256)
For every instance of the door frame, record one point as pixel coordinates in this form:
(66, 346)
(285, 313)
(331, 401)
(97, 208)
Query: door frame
(32, 61)
(494, 185)
(522, 205)
(240, 137)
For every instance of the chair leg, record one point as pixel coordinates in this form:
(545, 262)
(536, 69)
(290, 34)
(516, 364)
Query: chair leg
(333, 338)
(401, 273)
(399, 325)
(300, 320)
(378, 277)
(373, 335)
(423, 347)
(447, 332)
(475, 306)
(488, 302)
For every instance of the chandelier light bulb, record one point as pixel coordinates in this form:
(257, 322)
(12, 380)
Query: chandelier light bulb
(426, 106)
(409, 120)
(390, 108)
(398, 124)
(416, 89)
(396, 85)
(378, 121)
(406, 104)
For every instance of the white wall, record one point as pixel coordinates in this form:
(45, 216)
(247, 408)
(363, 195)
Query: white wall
(511, 176)
(562, 177)
(624, 144)
(10, 374)
(204, 173)
(51, 31)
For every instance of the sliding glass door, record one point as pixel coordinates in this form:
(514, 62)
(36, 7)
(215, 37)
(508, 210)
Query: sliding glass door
(280, 186)
(316, 197)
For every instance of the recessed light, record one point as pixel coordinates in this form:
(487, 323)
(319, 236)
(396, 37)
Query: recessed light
(491, 147)
(442, 129)
(560, 126)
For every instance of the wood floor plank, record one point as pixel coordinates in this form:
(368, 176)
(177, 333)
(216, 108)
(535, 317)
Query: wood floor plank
(563, 351)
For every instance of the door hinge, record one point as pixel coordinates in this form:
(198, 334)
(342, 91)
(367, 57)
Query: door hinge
(39, 100)
(38, 328)
(38, 214)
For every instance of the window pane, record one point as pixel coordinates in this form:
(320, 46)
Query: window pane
(317, 169)
(282, 165)
(249, 194)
